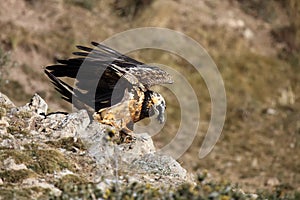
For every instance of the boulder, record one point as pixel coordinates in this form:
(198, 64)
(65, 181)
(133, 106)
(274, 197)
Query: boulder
(37, 148)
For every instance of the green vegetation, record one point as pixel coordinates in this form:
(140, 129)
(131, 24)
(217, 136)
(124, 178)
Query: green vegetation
(23, 194)
(18, 125)
(38, 160)
(202, 190)
(48, 161)
(16, 176)
(73, 187)
(70, 144)
(2, 112)
(254, 145)
(69, 180)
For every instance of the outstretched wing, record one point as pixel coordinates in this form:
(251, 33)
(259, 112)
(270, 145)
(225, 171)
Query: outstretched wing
(102, 75)
(145, 74)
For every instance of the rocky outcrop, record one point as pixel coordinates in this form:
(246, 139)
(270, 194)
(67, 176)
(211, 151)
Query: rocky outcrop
(50, 151)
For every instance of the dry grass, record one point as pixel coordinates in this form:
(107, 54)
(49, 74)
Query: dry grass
(255, 146)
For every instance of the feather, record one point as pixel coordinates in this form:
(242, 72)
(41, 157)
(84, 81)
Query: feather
(102, 75)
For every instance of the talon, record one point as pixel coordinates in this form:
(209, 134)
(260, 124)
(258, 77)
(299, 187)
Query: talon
(129, 139)
(111, 132)
(137, 102)
(126, 136)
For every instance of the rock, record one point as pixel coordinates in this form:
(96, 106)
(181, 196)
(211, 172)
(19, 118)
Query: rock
(254, 163)
(100, 146)
(137, 157)
(248, 34)
(270, 111)
(273, 182)
(6, 143)
(159, 164)
(52, 122)
(34, 182)
(287, 97)
(107, 153)
(65, 148)
(64, 173)
(61, 125)
(5, 101)
(141, 146)
(3, 120)
(94, 132)
(38, 105)
(9, 164)
(3, 123)
(22, 120)
(253, 196)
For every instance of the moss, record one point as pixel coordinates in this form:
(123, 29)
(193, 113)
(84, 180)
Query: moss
(18, 127)
(31, 146)
(17, 130)
(20, 194)
(23, 114)
(4, 106)
(147, 191)
(40, 161)
(2, 112)
(70, 144)
(69, 179)
(225, 49)
(16, 176)
(80, 191)
(24, 193)
(19, 124)
(73, 187)
(18, 155)
(278, 194)
(48, 161)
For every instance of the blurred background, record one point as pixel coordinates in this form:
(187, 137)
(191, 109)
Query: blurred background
(255, 45)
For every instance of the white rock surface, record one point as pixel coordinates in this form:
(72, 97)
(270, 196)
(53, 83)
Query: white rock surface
(4, 100)
(30, 129)
(38, 105)
(10, 164)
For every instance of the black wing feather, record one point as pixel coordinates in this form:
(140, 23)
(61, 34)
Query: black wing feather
(97, 72)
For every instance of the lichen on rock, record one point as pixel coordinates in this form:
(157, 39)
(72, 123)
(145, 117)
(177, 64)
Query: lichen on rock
(51, 151)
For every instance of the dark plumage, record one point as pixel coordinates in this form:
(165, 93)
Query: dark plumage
(106, 79)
